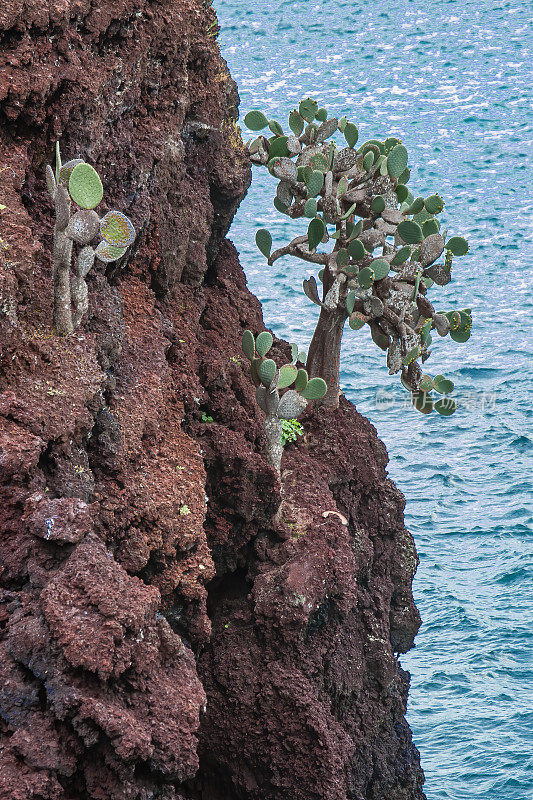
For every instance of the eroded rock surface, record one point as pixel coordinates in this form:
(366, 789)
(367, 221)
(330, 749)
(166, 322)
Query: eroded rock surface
(161, 635)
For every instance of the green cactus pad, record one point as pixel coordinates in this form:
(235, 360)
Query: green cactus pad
(410, 232)
(279, 206)
(429, 227)
(296, 122)
(315, 232)
(425, 331)
(466, 320)
(380, 268)
(342, 257)
(434, 204)
(321, 275)
(423, 402)
(401, 256)
(454, 318)
(350, 301)
(426, 383)
(315, 389)
(117, 229)
(255, 120)
(357, 320)
(349, 212)
(416, 206)
(401, 192)
(318, 161)
(263, 343)
(267, 371)
(310, 208)
(322, 115)
(308, 109)
(342, 186)
(263, 240)
(278, 148)
(368, 160)
(315, 183)
(107, 253)
(391, 142)
(294, 351)
(85, 186)
(343, 123)
(412, 355)
(446, 406)
(287, 375)
(378, 204)
(353, 230)
(460, 336)
(457, 245)
(301, 381)
(427, 281)
(442, 385)
(291, 405)
(254, 371)
(351, 134)
(356, 249)
(58, 162)
(404, 177)
(67, 169)
(397, 161)
(365, 278)
(275, 127)
(248, 345)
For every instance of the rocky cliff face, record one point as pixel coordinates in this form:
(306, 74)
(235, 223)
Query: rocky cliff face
(161, 636)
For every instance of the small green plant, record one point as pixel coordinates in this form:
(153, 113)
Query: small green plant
(356, 200)
(79, 183)
(206, 418)
(290, 430)
(185, 511)
(270, 381)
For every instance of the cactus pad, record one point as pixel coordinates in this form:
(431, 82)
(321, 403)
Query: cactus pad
(50, 180)
(434, 204)
(308, 109)
(315, 232)
(117, 229)
(263, 240)
(446, 406)
(368, 160)
(278, 148)
(263, 343)
(296, 122)
(291, 405)
(85, 186)
(380, 268)
(397, 161)
(410, 232)
(315, 183)
(255, 120)
(357, 320)
(457, 245)
(287, 375)
(423, 402)
(378, 204)
(401, 256)
(412, 355)
(316, 389)
(401, 192)
(107, 252)
(365, 278)
(326, 130)
(351, 134)
(356, 249)
(442, 385)
(67, 169)
(83, 227)
(248, 345)
(301, 381)
(426, 383)
(275, 127)
(267, 371)
(430, 226)
(460, 336)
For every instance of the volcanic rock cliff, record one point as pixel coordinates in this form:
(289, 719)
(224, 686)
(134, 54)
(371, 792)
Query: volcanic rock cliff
(164, 633)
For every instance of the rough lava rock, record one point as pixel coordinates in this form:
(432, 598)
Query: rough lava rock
(175, 623)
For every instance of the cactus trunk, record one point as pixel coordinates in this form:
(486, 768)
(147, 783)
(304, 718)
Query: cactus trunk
(62, 320)
(324, 355)
(273, 448)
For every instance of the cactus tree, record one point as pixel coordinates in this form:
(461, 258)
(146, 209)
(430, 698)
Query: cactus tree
(270, 381)
(356, 201)
(79, 183)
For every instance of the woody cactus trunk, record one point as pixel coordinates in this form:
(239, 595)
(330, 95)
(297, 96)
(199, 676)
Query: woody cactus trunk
(357, 199)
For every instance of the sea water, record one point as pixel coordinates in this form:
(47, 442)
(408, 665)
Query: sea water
(452, 80)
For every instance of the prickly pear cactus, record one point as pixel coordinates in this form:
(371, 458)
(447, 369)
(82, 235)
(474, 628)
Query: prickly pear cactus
(355, 201)
(270, 381)
(79, 183)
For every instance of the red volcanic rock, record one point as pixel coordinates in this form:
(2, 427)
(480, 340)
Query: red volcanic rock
(176, 623)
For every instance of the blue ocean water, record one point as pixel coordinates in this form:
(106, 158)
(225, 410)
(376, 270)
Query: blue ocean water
(452, 80)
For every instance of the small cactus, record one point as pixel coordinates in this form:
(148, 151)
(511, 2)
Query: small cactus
(79, 183)
(269, 382)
